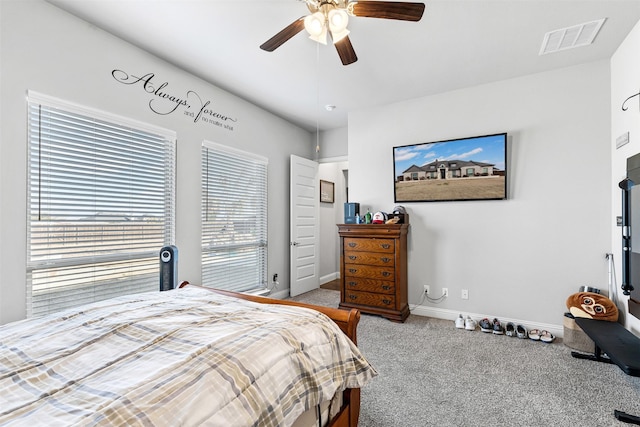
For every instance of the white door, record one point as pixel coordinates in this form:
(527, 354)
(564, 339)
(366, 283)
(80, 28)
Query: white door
(304, 227)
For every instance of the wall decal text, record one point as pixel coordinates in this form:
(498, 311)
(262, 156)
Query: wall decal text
(624, 104)
(165, 102)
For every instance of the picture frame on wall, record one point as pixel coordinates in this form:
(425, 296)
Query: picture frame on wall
(326, 191)
(473, 168)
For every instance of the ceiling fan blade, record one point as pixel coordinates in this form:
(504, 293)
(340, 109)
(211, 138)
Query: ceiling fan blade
(345, 51)
(404, 11)
(279, 39)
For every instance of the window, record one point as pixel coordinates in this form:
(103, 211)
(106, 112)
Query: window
(101, 204)
(234, 218)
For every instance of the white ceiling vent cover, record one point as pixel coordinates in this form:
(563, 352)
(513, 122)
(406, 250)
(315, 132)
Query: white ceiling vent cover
(570, 37)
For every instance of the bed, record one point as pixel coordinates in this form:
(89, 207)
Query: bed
(185, 357)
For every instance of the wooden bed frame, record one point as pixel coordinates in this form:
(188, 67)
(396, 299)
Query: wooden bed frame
(347, 320)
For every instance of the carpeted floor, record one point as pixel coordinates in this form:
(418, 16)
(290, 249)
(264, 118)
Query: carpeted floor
(432, 374)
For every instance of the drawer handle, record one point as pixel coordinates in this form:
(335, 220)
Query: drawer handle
(386, 301)
(353, 297)
(352, 257)
(353, 283)
(385, 246)
(386, 274)
(385, 259)
(352, 270)
(352, 245)
(385, 287)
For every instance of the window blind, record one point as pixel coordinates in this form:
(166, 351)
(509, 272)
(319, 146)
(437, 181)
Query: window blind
(101, 204)
(234, 218)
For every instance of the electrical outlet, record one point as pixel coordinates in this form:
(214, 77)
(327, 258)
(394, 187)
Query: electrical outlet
(426, 289)
(464, 294)
(445, 292)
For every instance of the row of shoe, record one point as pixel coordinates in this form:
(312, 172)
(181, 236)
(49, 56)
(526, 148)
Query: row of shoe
(511, 330)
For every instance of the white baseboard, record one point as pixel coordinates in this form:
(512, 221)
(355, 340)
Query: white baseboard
(280, 294)
(329, 277)
(440, 313)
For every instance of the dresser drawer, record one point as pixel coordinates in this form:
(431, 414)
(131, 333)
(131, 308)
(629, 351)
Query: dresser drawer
(373, 245)
(368, 271)
(369, 258)
(369, 285)
(365, 298)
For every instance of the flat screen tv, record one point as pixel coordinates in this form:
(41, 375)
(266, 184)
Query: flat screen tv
(473, 168)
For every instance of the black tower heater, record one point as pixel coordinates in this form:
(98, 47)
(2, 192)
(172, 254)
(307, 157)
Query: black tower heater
(168, 267)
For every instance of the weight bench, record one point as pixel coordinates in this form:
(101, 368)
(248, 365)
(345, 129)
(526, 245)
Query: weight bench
(613, 344)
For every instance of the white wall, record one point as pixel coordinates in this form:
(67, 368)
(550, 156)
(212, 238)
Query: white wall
(333, 143)
(625, 82)
(519, 258)
(54, 53)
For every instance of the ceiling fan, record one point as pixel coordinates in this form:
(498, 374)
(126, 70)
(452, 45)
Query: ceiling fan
(332, 16)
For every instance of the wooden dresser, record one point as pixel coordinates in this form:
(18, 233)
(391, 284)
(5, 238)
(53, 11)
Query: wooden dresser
(373, 269)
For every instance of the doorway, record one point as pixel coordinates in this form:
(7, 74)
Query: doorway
(336, 171)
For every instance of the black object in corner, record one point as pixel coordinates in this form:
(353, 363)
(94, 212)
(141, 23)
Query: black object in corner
(168, 267)
(620, 346)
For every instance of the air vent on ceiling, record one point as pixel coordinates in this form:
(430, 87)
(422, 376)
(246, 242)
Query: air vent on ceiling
(570, 37)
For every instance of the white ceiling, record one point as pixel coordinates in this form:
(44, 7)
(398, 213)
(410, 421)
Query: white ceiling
(457, 44)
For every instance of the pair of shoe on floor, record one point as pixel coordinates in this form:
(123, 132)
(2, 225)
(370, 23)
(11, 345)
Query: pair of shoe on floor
(544, 336)
(466, 323)
(516, 331)
(494, 327)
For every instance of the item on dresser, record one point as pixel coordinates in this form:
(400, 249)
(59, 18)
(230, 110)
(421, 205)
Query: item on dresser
(399, 209)
(367, 217)
(351, 212)
(398, 215)
(379, 218)
(394, 220)
(373, 269)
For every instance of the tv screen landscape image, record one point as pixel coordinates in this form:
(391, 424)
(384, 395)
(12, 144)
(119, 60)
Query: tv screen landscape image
(473, 168)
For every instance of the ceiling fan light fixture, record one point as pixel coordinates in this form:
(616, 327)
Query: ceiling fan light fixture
(338, 20)
(314, 24)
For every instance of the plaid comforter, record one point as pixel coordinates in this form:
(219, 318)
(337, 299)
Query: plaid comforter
(186, 357)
